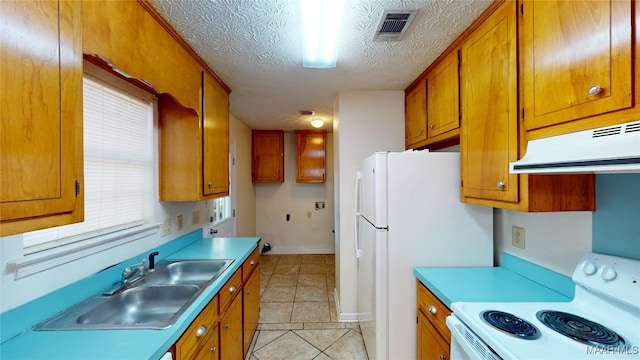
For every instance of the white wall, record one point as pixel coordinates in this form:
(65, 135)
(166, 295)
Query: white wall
(308, 231)
(552, 240)
(364, 122)
(245, 203)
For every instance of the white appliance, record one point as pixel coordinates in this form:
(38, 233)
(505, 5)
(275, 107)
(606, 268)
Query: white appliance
(601, 322)
(611, 149)
(409, 214)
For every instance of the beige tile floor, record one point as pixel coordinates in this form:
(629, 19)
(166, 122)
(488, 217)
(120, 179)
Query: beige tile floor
(298, 318)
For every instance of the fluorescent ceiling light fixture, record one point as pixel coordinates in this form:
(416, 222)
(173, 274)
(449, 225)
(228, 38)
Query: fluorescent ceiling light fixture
(320, 22)
(317, 123)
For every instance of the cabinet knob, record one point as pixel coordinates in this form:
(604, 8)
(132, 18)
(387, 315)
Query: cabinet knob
(420, 132)
(210, 184)
(201, 331)
(232, 289)
(500, 184)
(227, 325)
(595, 90)
(252, 262)
(214, 349)
(432, 309)
(432, 126)
(443, 357)
(248, 292)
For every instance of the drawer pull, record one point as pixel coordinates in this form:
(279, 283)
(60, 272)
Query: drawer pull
(232, 289)
(214, 349)
(227, 325)
(432, 309)
(252, 262)
(201, 331)
(442, 357)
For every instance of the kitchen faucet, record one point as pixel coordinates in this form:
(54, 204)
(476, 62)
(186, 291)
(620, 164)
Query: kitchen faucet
(134, 272)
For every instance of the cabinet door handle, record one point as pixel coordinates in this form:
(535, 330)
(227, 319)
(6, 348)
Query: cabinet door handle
(595, 90)
(210, 184)
(432, 126)
(214, 349)
(432, 309)
(500, 184)
(232, 289)
(227, 325)
(201, 331)
(443, 357)
(252, 262)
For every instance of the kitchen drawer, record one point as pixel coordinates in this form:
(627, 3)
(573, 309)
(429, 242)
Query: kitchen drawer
(250, 264)
(230, 289)
(434, 310)
(198, 331)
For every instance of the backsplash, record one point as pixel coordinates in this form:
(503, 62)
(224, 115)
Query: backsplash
(616, 221)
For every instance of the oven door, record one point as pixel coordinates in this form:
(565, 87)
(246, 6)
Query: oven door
(465, 345)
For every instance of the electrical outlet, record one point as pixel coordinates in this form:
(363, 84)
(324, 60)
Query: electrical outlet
(195, 218)
(180, 223)
(165, 228)
(319, 205)
(517, 237)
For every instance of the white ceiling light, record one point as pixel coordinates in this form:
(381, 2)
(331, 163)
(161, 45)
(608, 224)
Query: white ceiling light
(320, 22)
(317, 123)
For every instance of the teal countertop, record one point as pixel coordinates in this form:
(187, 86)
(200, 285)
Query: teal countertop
(515, 281)
(117, 344)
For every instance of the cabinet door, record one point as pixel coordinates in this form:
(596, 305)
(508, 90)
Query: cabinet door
(215, 137)
(211, 348)
(268, 157)
(251, 307)
(577, 59)
(431, 346)
(310, 156)
(41, 162)
(231, 345)
(415, 123)
(489, 133)
(443, 97)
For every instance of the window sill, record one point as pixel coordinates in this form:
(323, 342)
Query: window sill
(45, 260)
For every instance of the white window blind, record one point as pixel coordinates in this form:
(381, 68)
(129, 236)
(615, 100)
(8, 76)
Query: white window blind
(117, 166)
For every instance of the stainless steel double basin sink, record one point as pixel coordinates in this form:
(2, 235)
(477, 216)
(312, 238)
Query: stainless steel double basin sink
(154, 301)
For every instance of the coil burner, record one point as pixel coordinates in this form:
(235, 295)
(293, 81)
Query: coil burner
(511, 324)
(580, 329)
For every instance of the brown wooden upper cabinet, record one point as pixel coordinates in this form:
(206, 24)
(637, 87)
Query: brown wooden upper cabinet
(41, 161)
(577, 59)
(310, 156)
(490, 136)
(443, 100)
(415, 123)
(194, 150)
(267, 162)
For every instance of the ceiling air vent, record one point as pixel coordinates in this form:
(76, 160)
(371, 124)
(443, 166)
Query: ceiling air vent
(393, 24)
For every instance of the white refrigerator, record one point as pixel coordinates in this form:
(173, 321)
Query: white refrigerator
(409, 214)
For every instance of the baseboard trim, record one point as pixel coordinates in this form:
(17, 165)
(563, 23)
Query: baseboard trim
(343, 317)
(300, 252)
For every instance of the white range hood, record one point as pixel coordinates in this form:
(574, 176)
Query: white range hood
(612, 149)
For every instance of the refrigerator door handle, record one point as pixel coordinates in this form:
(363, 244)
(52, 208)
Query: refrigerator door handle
(356, 225)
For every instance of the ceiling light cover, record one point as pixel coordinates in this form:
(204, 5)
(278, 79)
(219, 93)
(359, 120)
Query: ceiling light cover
(317, 123)
(320, 22)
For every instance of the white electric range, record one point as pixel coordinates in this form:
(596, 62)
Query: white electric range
(601, 322)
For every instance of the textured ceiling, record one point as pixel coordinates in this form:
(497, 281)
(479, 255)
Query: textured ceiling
(254, 46)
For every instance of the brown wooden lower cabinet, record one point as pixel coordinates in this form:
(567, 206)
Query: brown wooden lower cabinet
(231, 331)
(225, 327)
(433, 336)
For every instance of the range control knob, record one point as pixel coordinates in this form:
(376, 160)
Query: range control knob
(589, 268)
(608, 273)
